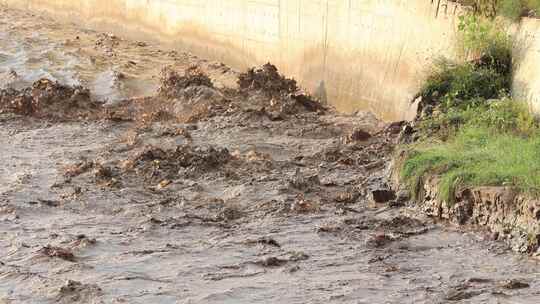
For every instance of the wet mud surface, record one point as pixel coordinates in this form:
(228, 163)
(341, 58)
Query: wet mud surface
(203, 185)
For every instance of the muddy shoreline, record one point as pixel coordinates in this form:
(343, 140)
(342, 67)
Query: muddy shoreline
(212, 187)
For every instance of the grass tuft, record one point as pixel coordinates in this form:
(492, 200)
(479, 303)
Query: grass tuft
(477, 156)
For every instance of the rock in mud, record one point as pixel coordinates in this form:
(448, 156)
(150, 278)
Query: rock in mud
(358, 135)
(264, 241)
(269, 241)
(381, 196)
(102, 172)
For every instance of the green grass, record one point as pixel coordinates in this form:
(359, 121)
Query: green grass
(512, 9)
(476, 156)
(503, 115)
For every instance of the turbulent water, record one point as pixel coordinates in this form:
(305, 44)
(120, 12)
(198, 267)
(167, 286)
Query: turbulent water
(105, 211)
(33, 47)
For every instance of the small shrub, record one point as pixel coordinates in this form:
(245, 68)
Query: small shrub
(451, 84)
(479, 35)
(486, 75)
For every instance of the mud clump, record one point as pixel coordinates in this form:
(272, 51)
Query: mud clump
(268, 80)
(49, 99)
(157, 164)
(187, 98)
(281, 95)
(172, 84)
(190, 96)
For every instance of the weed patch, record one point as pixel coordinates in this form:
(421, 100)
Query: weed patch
(476, 156)
(512, 9)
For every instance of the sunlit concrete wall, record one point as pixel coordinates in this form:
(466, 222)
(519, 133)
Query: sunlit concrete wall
(526, 85)
(364, 54)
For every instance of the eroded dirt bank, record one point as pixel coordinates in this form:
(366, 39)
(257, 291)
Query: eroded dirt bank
(213, 187)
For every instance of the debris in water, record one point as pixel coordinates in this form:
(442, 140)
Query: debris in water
(515, 284)
(358, 135)
(272, 262)
(57, 252)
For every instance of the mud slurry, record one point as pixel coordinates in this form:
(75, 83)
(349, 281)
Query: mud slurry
(250, 192)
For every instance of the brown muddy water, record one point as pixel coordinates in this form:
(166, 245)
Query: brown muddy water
(207, 191)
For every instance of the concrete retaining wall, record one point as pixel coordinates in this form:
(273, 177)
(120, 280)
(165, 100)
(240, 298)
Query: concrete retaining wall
(365, 54)
(526, 84)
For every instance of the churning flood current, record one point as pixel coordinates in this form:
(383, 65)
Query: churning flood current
(251, 198)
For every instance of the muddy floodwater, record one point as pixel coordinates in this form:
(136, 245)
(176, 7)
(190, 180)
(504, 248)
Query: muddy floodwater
(131, 174)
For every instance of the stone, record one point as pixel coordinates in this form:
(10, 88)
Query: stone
(381, 196)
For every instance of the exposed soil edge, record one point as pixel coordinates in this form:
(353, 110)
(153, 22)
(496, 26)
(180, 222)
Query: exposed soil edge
(511, 216)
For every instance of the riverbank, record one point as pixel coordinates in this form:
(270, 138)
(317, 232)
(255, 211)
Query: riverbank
(471, 153)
